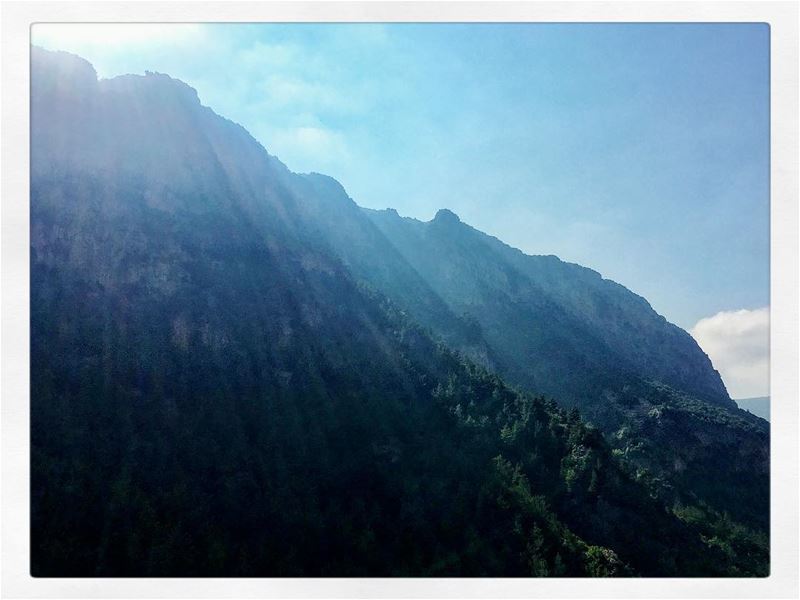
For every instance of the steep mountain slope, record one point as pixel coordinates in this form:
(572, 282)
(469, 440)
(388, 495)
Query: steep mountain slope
(215, 392)
(564, 313)
(562, 330)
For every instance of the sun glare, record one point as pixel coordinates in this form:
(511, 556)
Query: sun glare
(110, 35)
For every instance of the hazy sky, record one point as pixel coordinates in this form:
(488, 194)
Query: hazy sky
(641, 151)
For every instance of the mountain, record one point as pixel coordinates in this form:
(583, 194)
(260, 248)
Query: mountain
(562, 330)
(757, 406)
(236, 372)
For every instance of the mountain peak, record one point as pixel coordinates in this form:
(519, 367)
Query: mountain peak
(325, 182)
(444, 215)
(159, 84)
(48, 67)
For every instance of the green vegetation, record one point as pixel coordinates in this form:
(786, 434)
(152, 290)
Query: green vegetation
(150, 459)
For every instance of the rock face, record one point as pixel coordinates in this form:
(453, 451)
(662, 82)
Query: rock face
(334, 218)
(541, 311)
(228, 376)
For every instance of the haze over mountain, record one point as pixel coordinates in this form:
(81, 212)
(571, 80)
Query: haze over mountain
(757, 406)
(235, 370)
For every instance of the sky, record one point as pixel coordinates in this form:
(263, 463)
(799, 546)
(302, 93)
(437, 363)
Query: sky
(639, 150)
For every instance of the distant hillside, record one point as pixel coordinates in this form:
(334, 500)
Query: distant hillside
(757, 406)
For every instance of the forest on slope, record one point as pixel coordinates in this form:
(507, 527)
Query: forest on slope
(236, 371)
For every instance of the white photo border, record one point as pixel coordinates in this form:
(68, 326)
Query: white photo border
(17, 17)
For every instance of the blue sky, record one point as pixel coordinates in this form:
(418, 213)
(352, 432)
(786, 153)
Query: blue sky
(641, 151)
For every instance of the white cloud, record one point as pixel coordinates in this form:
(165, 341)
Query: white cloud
(283, 91)
(305, 148)
(262, 56)
(738, 344)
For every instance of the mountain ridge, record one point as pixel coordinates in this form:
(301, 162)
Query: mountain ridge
(716, 388)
